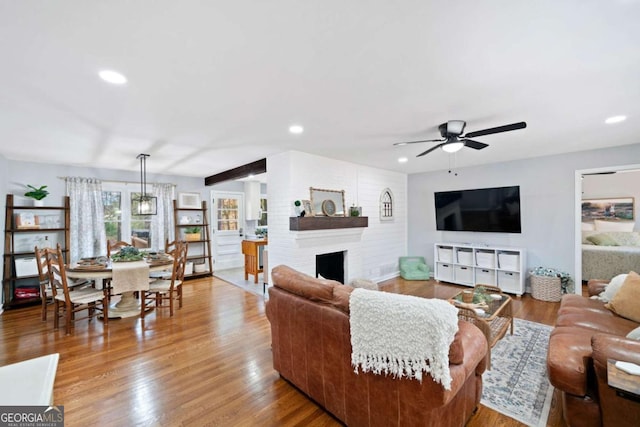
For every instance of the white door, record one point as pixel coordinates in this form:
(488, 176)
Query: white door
(226, 224)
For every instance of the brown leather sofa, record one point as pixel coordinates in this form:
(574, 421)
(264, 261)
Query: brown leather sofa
(311, 347)
(585, 336)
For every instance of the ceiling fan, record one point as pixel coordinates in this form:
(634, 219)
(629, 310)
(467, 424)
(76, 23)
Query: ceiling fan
(453, 140)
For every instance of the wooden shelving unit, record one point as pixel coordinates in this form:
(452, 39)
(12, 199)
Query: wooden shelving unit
(202, 246)
(19, 243)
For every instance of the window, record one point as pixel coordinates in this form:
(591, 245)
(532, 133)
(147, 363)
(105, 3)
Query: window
(112, 202)
(386, 205)
(228, 214)
(262, 222)
(120, 221)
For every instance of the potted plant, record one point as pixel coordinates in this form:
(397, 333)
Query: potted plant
(37, 194)
(192, 234)
(299, 210)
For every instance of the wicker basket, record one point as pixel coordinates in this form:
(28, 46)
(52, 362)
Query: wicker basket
(546, 288)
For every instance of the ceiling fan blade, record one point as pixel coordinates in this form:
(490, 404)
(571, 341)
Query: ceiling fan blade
(505, 128)
(430, 149)
(474, 144)
(416, 142)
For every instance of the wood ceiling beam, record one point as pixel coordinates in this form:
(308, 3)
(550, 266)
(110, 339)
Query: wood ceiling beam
(257, 167)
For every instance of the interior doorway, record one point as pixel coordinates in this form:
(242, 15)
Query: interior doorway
(594, 173)
(227, 217)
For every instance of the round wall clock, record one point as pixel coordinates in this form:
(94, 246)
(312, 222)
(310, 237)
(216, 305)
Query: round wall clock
(328, 207)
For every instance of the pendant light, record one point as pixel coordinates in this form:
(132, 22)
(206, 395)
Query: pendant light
(147, 205)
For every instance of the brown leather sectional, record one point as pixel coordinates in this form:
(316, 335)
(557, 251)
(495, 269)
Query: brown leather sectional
(585, 336)
(311, 347)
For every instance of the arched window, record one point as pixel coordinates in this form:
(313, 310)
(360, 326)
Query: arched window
(386, 204)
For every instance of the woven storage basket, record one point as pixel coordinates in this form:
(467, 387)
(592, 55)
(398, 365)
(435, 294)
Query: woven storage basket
(546, 288)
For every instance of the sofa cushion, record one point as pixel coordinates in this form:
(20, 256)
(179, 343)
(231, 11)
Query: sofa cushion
(626, 302)
(319, 290)
(596, 321)
(578, 301)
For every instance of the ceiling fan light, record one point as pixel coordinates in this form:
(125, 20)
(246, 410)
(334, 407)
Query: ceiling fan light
(452, 147)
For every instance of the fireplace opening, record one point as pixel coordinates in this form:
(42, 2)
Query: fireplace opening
(331, 266)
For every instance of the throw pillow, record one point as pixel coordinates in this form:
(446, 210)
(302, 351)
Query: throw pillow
(625, 303)
(635, 334)
(602, 240)
(614, 225)
(364, 283)
(612, 288)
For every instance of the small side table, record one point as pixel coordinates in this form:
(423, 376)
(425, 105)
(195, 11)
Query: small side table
(626, 385)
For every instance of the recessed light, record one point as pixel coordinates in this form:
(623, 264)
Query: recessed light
(403, 160)
(296, 129)
(112, 77)
(615, 119)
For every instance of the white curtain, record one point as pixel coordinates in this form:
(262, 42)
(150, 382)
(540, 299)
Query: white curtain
(88, 236)
(162, 223)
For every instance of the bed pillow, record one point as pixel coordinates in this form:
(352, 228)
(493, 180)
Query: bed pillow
(602, 239)
(626, 302)
(588, 226)
(612, 288)
(624, 238)
(614, 225)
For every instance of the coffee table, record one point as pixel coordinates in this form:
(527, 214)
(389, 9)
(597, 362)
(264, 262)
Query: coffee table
(491, 314)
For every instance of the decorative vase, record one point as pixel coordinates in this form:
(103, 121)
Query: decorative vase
(38, 202)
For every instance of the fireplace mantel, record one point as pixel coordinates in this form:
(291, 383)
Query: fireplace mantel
(303, 223)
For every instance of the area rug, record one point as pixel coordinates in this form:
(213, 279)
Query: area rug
(517, 384)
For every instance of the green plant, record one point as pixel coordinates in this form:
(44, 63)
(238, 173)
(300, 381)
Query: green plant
(192, 230)
(297, 203)
(128, 253)
(37, 193)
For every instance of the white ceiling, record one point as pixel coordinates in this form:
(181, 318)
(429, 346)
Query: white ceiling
(216, 84)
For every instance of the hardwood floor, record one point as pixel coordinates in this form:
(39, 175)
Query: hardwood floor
(209, 364)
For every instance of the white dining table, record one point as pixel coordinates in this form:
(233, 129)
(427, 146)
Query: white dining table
(128, 306)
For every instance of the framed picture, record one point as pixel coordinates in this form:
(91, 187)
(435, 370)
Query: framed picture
(189, 201)
(306, 206)
(611, 209)
(27, 220)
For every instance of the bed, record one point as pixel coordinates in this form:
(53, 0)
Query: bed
(607, 254)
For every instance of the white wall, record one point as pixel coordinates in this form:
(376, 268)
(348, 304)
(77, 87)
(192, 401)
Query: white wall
(373, 252)
(618, 185)
(21, 173)
(548, 208)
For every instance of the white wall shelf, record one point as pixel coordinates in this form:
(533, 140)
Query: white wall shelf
(472, 264)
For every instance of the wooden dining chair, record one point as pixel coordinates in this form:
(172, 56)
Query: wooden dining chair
(69, 303)
(115, 247)
(46, 293)
(169, 249)
(167, 289)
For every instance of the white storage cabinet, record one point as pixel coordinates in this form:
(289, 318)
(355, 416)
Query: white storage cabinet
(470, 265)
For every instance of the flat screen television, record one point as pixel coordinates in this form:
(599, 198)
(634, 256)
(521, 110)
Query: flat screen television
(494, 210)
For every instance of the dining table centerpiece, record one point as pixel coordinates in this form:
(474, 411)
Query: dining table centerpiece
(127, 254)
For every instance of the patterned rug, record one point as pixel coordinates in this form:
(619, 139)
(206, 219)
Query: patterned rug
(517, 384)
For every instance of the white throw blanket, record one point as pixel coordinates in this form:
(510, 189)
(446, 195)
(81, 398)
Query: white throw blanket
(401, 334)
(129, 276)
